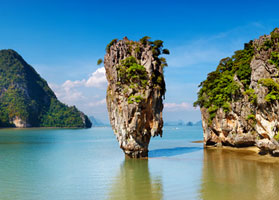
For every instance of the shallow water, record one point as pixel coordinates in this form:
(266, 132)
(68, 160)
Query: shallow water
(88, 164)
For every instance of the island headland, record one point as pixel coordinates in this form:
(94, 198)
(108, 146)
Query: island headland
(26, 100)
(239, 100)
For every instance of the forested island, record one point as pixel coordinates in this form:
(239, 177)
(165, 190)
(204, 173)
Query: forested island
(26, 100)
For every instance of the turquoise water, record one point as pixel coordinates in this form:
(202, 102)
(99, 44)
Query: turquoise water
(73, 164)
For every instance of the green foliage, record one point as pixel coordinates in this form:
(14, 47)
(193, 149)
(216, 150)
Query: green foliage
(212, 112)
(145, 40)
(134, 75)
(159, 79)
(134, 98)
(251, 117)
(163, 62)
(219, 87)
(273, 89)
(158, 44)
(226, 107)
(100, 61)
(216, 90)
(274, 58)
(137, 49)
(60, 115)
(24, 94)
(252, 96)
(110, 44)
(131, 73)
(276, 137)
(166, 51)
(275, 34)
(267, 44)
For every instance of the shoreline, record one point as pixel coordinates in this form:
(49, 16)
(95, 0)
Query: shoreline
(247, 153)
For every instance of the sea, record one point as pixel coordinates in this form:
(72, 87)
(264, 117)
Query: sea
(87, 164)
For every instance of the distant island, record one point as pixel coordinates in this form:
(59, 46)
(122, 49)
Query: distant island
(27, 101)
(182, 123)
(97, 123)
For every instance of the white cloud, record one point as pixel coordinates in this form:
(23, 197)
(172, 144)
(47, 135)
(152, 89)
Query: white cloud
(97, 78)
(97, 103)
(67, 94)
(85, 94)
(68, 85)
(171, 107)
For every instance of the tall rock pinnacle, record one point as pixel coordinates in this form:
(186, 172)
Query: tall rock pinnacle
(135, 92)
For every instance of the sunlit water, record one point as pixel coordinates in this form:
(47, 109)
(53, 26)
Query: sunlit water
(81, 164)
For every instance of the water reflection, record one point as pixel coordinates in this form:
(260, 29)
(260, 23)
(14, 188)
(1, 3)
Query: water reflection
(228, 175)
(135, 182)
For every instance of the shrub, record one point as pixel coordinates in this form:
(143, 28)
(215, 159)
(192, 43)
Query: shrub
(275, 34)
(273, 89)
(251, 95)
(110, 44)
(134, 98)
(276, 137)
(145, 40)
(166, 51)
(100, 61)
(274, 59)
(251, 117)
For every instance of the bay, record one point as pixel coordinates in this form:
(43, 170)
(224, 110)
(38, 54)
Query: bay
(88, 164)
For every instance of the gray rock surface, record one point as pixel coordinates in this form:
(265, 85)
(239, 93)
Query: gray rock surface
(134, 105)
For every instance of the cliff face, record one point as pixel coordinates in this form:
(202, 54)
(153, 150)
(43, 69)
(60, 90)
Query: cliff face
(239, 101)
(27, 101)
(135, 93)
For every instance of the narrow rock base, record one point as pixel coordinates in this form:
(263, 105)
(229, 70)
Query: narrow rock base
(136, 154)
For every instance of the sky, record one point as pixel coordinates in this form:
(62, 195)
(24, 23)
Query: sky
(63, 40)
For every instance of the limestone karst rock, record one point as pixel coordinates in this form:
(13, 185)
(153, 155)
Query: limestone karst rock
(239, 101)
(135, 92)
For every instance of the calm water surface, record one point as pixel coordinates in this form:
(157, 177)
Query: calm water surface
(77, 164)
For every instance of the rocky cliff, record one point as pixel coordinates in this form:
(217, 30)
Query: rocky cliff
(27, 101)
(135, 92)
(239, 101)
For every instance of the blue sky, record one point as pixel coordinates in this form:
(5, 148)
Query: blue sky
(62, 40)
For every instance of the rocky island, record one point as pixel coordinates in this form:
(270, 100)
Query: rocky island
(135, 92)
(239, 101)
(27, 101)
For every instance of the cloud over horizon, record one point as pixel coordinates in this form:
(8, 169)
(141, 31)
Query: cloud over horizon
(172, 107)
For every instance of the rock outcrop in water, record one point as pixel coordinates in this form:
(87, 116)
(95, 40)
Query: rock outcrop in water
(135, 92)
(240, 100)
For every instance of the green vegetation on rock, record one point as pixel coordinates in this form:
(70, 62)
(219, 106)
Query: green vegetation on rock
(273, 89)
(110, 44)
(218, 89)
(132, 73)
(251, 95)
(276, 136)
(134, 98)
(25, 95)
